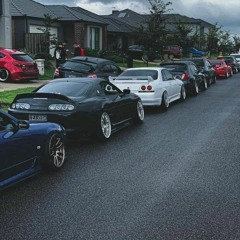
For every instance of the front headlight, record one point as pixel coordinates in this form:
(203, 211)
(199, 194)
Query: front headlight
(61, 107)
(21, 106)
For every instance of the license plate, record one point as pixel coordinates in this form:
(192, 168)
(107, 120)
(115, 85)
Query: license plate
(42, 118)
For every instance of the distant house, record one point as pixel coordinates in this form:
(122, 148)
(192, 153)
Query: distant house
(73, 24)
(116, 31)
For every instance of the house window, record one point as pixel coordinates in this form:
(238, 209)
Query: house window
(94, 38)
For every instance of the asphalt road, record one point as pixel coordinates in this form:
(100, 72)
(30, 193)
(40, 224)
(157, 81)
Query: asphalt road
(177, 176)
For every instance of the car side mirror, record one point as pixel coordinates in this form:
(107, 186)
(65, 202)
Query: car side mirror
(23, 124)
(126, 91)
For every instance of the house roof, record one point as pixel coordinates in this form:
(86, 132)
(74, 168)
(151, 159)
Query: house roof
(62, 12)
(29, 8)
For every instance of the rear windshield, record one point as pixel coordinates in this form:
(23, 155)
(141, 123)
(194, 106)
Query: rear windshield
(198, 62)
(79, 66)
(69, 89)
(175, 67)
(22, 57)
(142, 73)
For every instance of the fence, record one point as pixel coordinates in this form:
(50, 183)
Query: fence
(37, 42)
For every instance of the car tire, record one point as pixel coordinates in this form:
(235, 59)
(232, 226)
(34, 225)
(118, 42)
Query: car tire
(4, 75)
(104, 130)
(139, 117)
(205, 84)
(227, 75)
(55, 155)
(231, 73)
(183, 93)
(195, 89)
(165, 101)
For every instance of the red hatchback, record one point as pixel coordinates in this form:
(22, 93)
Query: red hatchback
(16, 66)
(221, 68)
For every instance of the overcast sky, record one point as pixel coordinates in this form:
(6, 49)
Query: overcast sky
(225, 13)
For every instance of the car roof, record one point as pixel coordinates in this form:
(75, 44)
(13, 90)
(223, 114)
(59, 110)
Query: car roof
(11, 51)
(89, 59)
(84, 79)
(144, 68)
(176, 62)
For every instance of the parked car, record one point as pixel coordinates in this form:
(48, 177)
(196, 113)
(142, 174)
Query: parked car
(222, 70)
(232, 62)
(174, 50)
(205, 68)
(83, 106)
(155, 86)
(27, 147)
(17, 66)
(91, 67)
(197, 52)
(188, 72)
(236, 55)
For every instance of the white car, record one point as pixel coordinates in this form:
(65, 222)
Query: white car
(236, 55)
(156, 86)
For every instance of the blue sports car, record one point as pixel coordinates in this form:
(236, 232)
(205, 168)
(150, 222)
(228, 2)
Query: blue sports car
(27, 148)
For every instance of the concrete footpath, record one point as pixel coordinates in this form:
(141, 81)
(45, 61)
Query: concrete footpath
(7, 86)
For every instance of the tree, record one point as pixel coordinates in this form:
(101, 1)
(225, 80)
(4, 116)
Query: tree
(152, 33)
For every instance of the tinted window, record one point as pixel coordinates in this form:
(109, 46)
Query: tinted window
(78, 66)
(198, 62)
(22, 57)
(69, 89)
(142, 73)
(2, 55)
(167, 75)
(175, 67)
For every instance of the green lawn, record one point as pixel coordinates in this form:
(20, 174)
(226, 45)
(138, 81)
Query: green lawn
(6, 97)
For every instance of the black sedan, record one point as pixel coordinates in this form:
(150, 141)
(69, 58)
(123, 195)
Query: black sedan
(83, 106)
(188, 72)
(206, 68)
(91, 67)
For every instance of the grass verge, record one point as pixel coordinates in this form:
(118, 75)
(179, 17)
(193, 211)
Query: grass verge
(6, 97)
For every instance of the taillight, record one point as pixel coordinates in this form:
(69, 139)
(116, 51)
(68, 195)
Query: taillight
(148, 88)
(56, 73)
(185, 76)
(92, 75)
(22, 66)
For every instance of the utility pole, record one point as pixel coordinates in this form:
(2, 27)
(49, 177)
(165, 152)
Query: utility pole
(5, 24)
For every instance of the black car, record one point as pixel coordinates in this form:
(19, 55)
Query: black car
(188, 72)
(206, 68)
(90, 107)
(91, 67)
(232, 62)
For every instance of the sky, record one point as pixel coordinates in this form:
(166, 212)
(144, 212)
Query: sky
(224, 13)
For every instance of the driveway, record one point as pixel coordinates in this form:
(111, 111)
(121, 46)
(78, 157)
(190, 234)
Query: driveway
(6, 86)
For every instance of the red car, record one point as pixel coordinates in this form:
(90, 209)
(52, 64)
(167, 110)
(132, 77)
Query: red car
(221, 68)
(16, 66)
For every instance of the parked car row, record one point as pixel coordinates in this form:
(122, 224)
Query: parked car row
(34, 131)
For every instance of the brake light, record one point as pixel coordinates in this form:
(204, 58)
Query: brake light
(149, 87)
(92, 75)
(185, 76)
(22, 66)
(56, 73)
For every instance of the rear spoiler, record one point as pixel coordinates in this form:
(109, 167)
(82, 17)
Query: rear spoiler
(42, 95)
(132, 78)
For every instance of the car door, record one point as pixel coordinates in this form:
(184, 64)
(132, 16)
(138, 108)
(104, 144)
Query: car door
(118, 104)
(172, 85)
(16, 149)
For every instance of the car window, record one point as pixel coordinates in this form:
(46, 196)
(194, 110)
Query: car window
(106, 68)
(70, 89)
(22, 57)
(109, 89)
(167, 75)
(198, 62)
(77, 66)
(2, 55)
(175, 67)
(142, 73)
(115, 69)
(5, 123)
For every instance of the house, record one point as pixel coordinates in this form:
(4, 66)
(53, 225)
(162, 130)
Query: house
(72, 24)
